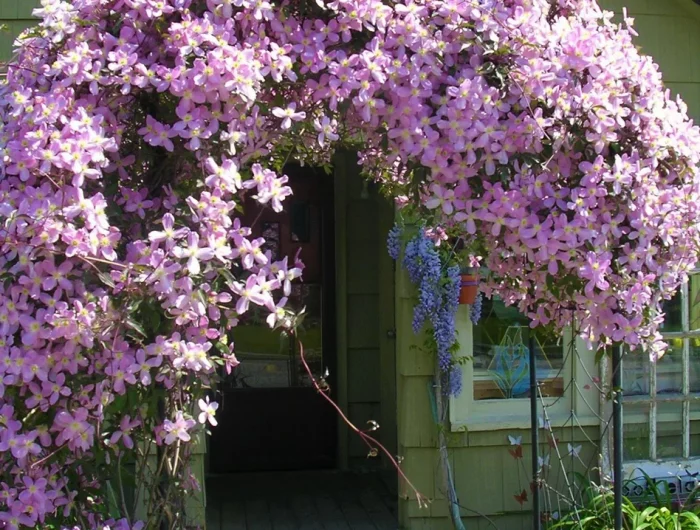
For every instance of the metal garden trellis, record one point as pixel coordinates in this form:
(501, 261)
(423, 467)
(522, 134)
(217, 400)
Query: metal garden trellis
(617, 353)
(617, 433)
(534, 431)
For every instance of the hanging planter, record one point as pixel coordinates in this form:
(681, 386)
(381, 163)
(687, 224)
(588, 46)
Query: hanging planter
(469, 285)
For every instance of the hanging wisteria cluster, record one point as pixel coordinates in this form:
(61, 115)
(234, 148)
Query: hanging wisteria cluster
(475, 309)
(133, 131)
(438, 283)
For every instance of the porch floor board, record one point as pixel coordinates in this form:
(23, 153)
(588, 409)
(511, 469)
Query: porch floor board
(319, 500)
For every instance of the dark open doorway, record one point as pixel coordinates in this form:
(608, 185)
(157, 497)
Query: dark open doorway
(271, 418)
(280, 457)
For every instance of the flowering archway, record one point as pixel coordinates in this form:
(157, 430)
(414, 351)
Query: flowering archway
(532, 131)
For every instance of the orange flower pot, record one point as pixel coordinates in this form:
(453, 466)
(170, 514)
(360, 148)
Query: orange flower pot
(468, 288)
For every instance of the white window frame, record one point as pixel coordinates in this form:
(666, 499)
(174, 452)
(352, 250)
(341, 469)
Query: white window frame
(654, 466)
(468, 414)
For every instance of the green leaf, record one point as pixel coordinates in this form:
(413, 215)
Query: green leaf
(154, 319)
(118, 405)
(6, 278)
(106, 279)
(138, 328)
(222, 348)
(228, 277)
(112, 502)
(201, 297)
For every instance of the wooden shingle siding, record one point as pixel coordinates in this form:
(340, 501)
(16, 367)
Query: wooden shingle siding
(669, 31)
(17, 9)
(16, 16)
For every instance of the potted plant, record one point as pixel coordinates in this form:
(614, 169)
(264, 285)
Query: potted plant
(469, 285)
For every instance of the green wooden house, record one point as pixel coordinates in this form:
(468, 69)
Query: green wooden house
(281, 456)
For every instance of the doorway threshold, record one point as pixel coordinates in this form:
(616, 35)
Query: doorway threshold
(301, 500)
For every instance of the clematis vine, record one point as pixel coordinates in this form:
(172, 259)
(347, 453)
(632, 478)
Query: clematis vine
(135, 133)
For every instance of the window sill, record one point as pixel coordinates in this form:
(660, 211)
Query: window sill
(500, 422)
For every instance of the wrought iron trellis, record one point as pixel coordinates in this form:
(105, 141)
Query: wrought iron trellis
(612, 374)
(617, 434)
(551, 494)
(534, 433)
(616, 395)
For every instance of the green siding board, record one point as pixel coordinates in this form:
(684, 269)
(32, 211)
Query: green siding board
(425, 523)
(500, 438)
(360, 414)
(363, 267)
(663, 37)
(387, 340)
(646, 7)
(6, 40)
(668, 31)
(362, 220)
(16, 15)
(416, 426)
(340, 198)
(503, 522)
(413, 361)
(26, 7)
(420, 466)
(9, 9)
(687, 8)
(363, 321)
(9, 34)
(16, 9)
(364, 375)
(483, 466)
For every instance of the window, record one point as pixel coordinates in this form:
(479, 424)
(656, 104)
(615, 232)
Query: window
(501, 355)
(496, 382)
(662, 399)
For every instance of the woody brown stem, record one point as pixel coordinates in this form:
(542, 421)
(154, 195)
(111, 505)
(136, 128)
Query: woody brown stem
(372, 442)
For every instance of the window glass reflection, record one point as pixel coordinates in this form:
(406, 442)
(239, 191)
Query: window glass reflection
(502, 355)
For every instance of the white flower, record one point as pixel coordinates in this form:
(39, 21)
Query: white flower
(193, 252)
(208, 412)
(289, 114)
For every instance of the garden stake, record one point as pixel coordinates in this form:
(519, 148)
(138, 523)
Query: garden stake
(617, 434)
(536, 522)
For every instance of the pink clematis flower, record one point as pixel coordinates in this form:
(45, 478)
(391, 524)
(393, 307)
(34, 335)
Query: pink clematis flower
(193, 253)
(178, 429)
(288, 115)
(126, 426)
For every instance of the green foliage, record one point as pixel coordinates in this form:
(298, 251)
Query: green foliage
(597, 513)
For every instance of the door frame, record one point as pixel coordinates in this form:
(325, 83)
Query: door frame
(345, 168)
(340, 161)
